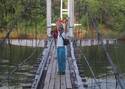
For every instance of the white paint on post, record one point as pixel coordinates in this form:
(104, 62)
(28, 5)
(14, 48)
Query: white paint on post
(48, 7)
(61, 9)
(71, 17)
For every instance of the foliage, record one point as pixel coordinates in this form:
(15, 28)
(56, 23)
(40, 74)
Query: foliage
(107, 12)
(22, 12)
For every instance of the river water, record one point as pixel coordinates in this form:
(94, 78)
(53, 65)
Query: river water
(19, 50)
(11, 56)
(101, 67)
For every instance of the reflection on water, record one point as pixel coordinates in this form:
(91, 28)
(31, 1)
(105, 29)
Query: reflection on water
(107, 83)
(101, 67)
(10, 58)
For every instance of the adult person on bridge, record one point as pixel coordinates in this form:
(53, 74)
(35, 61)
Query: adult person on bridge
(61, 55)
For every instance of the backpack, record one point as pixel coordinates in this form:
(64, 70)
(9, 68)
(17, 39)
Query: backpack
(55, 34)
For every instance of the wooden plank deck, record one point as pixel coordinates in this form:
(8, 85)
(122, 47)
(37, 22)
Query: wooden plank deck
(55, 81)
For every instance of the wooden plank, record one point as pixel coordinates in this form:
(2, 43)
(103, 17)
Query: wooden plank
(47, 80)
(57, 82)
(48, 75)
(53, 73)
(68, 80)
(63, 83)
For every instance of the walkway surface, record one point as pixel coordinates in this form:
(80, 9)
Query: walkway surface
(47, 76)
(52, 79)
(55, 81)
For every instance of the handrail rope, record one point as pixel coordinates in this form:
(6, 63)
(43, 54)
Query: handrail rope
(41, 67)
(22, 63)
(100, 39)
(7, 36)
(116, 85)
(91, 70)
(75, 68)
(98, 35)
(115, 70)
(27, 58)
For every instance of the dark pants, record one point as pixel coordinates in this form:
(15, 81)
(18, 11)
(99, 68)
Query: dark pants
(61, 58)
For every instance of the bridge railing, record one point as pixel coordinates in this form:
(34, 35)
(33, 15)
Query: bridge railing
(74, 69)
(42, 65)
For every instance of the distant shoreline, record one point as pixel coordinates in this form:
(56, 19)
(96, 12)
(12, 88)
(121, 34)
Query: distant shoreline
(42, 38)
(121, 39)
(24, 36)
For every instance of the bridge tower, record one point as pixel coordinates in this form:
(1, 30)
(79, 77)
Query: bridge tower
(48, 17)
(69, 11)
(71, 17)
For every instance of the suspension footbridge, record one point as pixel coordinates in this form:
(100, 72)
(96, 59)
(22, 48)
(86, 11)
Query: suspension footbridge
(44, 71)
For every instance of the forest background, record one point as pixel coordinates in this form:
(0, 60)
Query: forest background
(27, 18)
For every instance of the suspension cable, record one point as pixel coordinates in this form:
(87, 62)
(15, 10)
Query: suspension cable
(115, 70)
(91, 70)
(21, 64)
(11, 23)
(94, 23)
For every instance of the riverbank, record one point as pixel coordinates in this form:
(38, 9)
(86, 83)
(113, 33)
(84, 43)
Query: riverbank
(78, 33)
(15, 35)
(122, 39)
(28, 37)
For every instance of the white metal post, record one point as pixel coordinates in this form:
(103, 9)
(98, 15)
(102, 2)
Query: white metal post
(71, 17)
(61, 7)
(48, 7)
